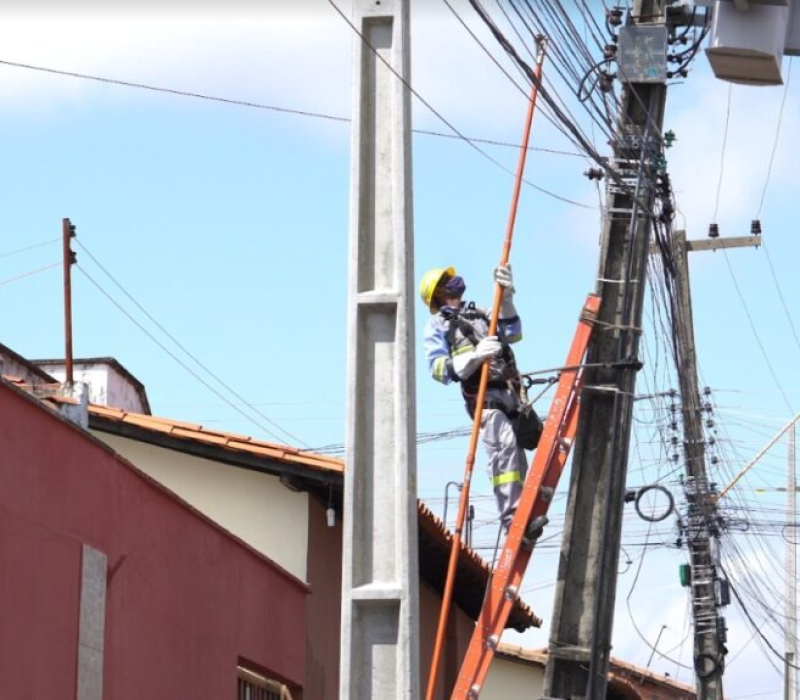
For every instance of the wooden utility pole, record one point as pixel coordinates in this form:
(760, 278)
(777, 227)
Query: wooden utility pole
(67, 234)
(700, 522)
(580, 637)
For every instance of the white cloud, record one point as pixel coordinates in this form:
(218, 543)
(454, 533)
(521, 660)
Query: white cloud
(295, 55)
(698, 117)
(281, 60)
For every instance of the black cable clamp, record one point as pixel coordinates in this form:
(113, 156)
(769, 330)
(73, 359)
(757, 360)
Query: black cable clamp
(627, 363)
(530, 381)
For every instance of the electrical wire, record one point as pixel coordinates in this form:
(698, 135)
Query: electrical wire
(208, 386)
(254, 105)
(757, 628)
(173, 91)
(524, 67)
(755, 332)
(445, 121)
(722, 155)
(30, 247)
(8, 280)
(777, 138)
(493, 142)
(561, 114)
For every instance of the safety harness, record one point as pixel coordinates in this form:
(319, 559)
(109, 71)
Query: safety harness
(462, 320)
(527, 424)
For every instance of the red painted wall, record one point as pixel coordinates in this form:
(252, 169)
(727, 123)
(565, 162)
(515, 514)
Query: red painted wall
(457, 638)
(325, 609)
(324, 605)
(185, 600)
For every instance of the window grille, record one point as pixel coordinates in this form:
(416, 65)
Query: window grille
(254, 686)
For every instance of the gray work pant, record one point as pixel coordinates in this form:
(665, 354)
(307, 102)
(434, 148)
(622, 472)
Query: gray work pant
(506, 462)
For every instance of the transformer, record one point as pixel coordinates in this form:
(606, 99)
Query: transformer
(750, 37)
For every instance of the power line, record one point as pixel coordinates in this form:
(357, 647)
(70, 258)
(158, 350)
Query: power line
(493, 142)
(722, 155)
(27, 248)
(568, 124)
(172, 91)
(485, 50)
(785, 306)
(777, 138)
(256, 105)
(445, 121)
(183, 347)
(183, 364)
(755, 626)
(8, 280)
(761, 204)
(755, 331)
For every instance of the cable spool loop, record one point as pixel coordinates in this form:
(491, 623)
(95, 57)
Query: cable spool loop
(655, 518)
(700, 667)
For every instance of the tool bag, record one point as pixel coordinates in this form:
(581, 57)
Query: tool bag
(528, 428)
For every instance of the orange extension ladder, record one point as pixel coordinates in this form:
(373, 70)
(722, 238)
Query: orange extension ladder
(543, 476)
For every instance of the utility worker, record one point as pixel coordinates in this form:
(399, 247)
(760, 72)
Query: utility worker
(456, 344)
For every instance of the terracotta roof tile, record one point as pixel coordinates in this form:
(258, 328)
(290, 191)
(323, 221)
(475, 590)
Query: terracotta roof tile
(13, 379)
(231, 437)
(165, 421)
(146, 422)
(230, 441)
(54, 398)
(202, 436)
(107, 411)
(473, 573)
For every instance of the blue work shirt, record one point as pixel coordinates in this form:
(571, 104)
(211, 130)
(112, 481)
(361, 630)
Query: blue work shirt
(438, 351)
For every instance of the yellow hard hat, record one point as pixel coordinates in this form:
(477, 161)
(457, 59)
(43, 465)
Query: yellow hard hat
(430, 280)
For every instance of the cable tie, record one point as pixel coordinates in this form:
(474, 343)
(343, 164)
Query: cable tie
(618, 327)
(607, 389)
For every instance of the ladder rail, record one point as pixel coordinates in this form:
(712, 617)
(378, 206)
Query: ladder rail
(503, 598)
(548, 464)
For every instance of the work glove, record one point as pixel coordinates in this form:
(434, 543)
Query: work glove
(504, 277)
(465, 363)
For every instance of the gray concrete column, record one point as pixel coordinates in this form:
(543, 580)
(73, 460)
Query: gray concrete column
(92, 624)
(380, 629)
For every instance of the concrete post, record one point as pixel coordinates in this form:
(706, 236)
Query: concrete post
(701, 515)
(581, 626)
(380, 628)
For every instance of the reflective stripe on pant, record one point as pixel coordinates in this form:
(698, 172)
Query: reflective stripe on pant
(506, 462)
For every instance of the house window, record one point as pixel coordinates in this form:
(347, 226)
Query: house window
(254, 686)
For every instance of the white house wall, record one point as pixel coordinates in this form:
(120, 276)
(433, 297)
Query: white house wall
(255, 507)
(511, 680)
(107, 386)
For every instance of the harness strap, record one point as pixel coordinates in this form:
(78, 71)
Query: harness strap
(500, 406)
(489, 403)
(459, 320)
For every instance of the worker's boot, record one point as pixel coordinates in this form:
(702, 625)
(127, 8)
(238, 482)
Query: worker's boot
(534, 531)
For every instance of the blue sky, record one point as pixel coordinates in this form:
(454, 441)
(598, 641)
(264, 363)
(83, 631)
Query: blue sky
(229, 225)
